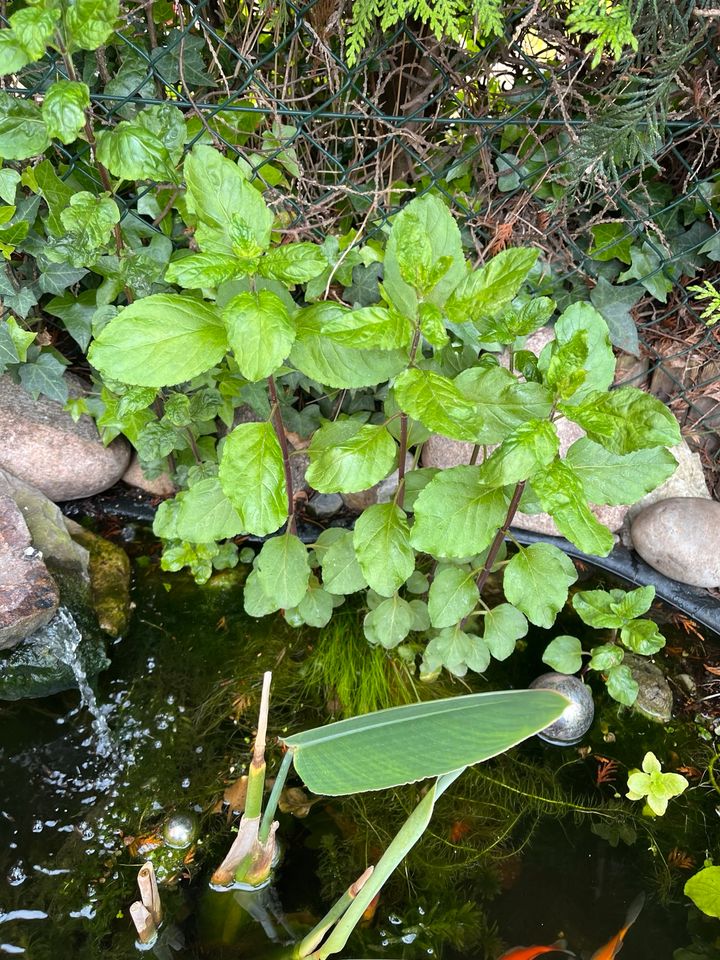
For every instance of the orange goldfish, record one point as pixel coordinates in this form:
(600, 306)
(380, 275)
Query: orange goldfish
(529, 953)
(614, 945)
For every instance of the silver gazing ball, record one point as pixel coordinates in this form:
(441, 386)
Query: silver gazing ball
(180, 830)
(577, 718)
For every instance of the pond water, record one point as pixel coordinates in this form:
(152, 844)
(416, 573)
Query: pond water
(524, 849)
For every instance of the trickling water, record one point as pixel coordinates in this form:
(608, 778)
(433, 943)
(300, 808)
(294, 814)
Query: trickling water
(63, 638)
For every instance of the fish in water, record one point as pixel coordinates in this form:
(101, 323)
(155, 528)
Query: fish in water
(614, 945)
(529, 953)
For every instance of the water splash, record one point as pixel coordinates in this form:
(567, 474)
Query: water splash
(63, 638)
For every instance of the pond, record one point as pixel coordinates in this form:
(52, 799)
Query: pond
(534, 846)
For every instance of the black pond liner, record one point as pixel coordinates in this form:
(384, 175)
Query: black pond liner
(695, 602)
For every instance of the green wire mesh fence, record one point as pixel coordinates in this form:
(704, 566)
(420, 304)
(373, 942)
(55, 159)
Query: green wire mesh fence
(613, 172)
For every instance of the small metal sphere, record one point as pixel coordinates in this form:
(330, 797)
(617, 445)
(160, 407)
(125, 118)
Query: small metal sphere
(180, 830)
(577, 718)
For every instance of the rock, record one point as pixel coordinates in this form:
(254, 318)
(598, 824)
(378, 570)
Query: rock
(382, 492)
(109, 580)
(655, 699)
(161, 486)
(687, 481)
(680, 537)
(299, 462)
(35, 669)
(29, 596)
(323, 506)
(47, 528)
(630, 371)
(44, 446)
(444, 452)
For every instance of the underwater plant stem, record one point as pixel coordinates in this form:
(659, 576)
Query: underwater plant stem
(282, 440)
(315, 937)
(274, 797)
(500, 536)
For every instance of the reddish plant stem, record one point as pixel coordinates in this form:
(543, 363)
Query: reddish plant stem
(500, 536)
(282, 440)
(401, 464)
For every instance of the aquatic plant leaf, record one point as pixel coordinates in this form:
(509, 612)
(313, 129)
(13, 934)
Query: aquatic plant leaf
(656, 787)
(537, 581)
(610, 478)
(252, 477)
(260, 332)
(453, 595)
(456, 515)
(340, 569)
(612, 609)
(316, 606)
(625, 420)
(382, 545)
(504, 625)
(380, 750)
(206, 513)
(389, 623)
(704, 890)
(438, 404)
(621, 685)
(457, 651)
(564, 654)
(606, 656)
(283, 570)
(160, 341)
(347, 456)
(643, 637)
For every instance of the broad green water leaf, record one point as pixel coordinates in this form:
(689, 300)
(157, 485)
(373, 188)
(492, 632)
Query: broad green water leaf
(159, 341)
(340, 568)
(389, 623)
(422, 233)
(621, 685)
(564, 654)
(457, 652)
(386, 749)
(484, 292)
(333, 364)
(63, 109)
(615, 479)
(204, 270)
(606, 656)
(252, 476)
(374, 328)
(260, 332)
(347, 456)
(537, 580)
(625, 420)
(562, 495)
(206, 514)
(132, 152)
(704, 890)
(255, 601)
(293, 263)
(453, 595)
(283, 570)
(612, 609)
(23, 132)
(504, 626)
(316, 606)
(438, 404)
(382, 545)
(526, 450)
(90, 23)
(456, 515)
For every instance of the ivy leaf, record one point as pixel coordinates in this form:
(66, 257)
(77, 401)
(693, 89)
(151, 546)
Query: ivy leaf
(56, 277)
(647, 267)
(333, 364)
(63, 109)
(56, 193)
(33, 28)
(205, 513)
(23, 132)
(456, 515)
(293, 263)
(375, 328)
(621, 686)
(346, 456)
(204, 270)
(502, 401)
(20, 338)
(382, 545)
(529, 447)
(453, 595)
(316, 607)
(389, 623)
(564, 654)
(504, 626)
(252, 477)
(132, 152)
(159, 341)
(438, 404)
(625, 420)
(283, 569)
(643, 637)
(44, 375)
(606, 656)
(615, 479)
(537, 580)
(615, 304)
(340, 568)
(561, 494)
(483, 293)
(457, 651)
(260, 332)
(611, 241)
(364, 289)
(90, 23)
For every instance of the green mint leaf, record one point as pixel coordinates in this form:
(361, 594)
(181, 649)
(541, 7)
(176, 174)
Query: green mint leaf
(293, 263)
(537, 581)
(132, 152)
(160, 341)
(453, 595)
(438, 404)
(375, 328)
(283, 570)
(502, 401)
(432, 325)
(625, 420)
(564, 654)
(260, 332)
(519, 323)
(33, 28)
(13, 55)
(562, 495)
(167, 123)
(566, 368)
(643, 637)
(63, 109)
(87, 225)
(606, 656)
(482, 294)
(252, 476)
(504, 626)
(204, 270)
(23, 132)
(527, 449)
(382, 546)
(90, 23)
(346, 456)
(600, 363)
(615, 479)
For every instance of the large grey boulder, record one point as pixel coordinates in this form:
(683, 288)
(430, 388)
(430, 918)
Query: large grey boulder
(680, 538)
(44, 446)
(29, 596)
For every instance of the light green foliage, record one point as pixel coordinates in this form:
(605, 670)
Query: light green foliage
(485, 292)
(625, 420)
(22, 129)
(504, 625)
(373, 327)
(654, 786)
(457, 651)
(260, 332)
(437, 403)
(90, 22)
(283, 570)
(251, 474)
(453, 595)
(564, 654)
(347, 456)
(63, 109)
(703, 888)
(382, 545)
(537, 580)
(389, 623)
(708, 292)
(87, 229)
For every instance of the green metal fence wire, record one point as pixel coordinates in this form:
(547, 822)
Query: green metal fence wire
(502, 130)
